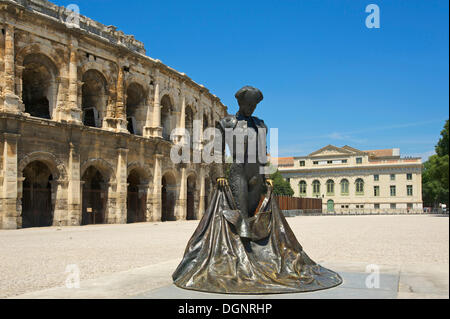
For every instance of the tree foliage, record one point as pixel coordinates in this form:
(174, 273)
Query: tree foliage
(435, 177)
(280, 185)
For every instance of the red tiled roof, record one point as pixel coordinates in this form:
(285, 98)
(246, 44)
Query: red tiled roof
(285, 161)
(381, 153)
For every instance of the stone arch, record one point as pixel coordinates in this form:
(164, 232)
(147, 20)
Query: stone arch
(136, 106)
(138, 180)
(143, 169)
(103, 166)
(92, 65)
(168, 195)
(94, 97)
(54, 164)
(38, 83)
(167, 110)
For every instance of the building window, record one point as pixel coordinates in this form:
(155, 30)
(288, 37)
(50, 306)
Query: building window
(302, 163)
(329, 162)
(393, 190)
(288, 180)
(409, 190)
(392, 177)
(376, 191)
(377, 206)
(316, 187)
(344, 187)
(376, 177)
(409, 205)
(409, 177)
(316, 162)
(330, 187)
(359, 160)
(393, 206)
(302, 186)
(359, 186)
(344, 161)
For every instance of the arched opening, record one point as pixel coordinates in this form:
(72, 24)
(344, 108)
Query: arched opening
(166, 111)
(330, 187)
(330, 206)
(168, 197)
(95, 194)
(190, 202)
(135, 110)
(316, 188)
(359, 186)
(302, 188)
(189, 123)
(94, 98)
(345, 187)
(39, 89)
(37, 207)
(136, 198)
(205, 122)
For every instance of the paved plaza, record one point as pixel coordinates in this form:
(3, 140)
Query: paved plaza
(137, 260)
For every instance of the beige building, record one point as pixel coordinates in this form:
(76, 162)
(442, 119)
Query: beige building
(349, 180)
(85, 123)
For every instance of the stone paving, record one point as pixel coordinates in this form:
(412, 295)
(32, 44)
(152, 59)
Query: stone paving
(136, 261)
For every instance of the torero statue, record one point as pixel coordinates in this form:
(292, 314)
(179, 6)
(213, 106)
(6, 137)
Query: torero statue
(237, 247)
(245, 136)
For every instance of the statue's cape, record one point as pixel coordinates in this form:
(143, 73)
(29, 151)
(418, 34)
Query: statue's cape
(257, 256)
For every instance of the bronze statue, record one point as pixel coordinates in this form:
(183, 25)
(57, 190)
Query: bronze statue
(236, 249)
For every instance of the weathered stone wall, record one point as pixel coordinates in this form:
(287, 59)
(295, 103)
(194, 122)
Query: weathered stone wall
(75, 97)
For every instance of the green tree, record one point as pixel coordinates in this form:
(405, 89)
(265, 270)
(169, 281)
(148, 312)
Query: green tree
(435, 177)
(280, 185)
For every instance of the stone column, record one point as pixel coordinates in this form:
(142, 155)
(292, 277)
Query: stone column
(74, 106)
(59, 200)
(74, 202)
(156, 127)
(12, 102)
(147, 131)
(10, 207)
(157, 185)
(180, 208)
(121, 112)
(122, 186)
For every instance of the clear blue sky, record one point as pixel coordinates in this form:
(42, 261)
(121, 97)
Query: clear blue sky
(326, 78)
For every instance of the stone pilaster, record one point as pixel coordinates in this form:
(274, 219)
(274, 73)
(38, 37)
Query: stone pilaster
(154, 129)
(121, 112)
(10, 206)
(122, 186)
(73, 103)
(11, 102)
(157, 185)
(180, 208)
(74, 187)
(59, 202)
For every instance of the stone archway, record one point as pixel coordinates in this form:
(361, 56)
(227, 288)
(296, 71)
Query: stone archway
(136, 112)
(95, 195)
(94, 98)
(37, 206)
(39, 85)
(136, 197)
(166, 116)
(168, 197)
(191, 187)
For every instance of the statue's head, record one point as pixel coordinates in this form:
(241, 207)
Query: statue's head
(248, 97)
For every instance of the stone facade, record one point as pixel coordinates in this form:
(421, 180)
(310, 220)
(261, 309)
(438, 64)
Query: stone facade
(85, 122)
(352, 181)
